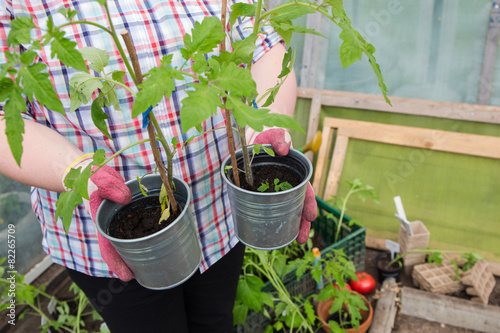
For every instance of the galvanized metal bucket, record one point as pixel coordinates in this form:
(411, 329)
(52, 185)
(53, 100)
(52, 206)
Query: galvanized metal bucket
(167, 258)
(268, 221)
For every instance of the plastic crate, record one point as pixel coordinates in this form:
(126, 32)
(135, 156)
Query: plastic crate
(352, 238)
(352, 241)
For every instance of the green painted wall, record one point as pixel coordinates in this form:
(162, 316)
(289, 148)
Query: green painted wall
(456, 196)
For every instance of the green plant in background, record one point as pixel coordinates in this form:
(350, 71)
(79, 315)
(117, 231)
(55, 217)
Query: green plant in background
(336, 267)
(282, 309)
(295, 313)
(276, 303)
(437, 256)
(31, 296)
(357, 187)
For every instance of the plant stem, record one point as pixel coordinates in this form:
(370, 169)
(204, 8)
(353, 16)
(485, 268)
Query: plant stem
(151, 129)
(243, 141)
(341, 218)
(227, 113)
(269, 272)
(246, 158)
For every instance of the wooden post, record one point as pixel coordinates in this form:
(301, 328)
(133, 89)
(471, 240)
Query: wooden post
(490, 52)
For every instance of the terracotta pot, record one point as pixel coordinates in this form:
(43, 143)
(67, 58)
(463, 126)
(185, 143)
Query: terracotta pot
(323, 312)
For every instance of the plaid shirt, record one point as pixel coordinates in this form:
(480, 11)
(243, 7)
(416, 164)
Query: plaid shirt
(157, 28)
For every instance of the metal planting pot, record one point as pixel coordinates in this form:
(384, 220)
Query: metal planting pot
(166, 258)
(268, 221)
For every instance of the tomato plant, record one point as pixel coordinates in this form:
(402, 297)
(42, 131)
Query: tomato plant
(365, 284)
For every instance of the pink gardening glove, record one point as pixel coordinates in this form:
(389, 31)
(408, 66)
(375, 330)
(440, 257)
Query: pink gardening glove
(277, 137)
(111, 186)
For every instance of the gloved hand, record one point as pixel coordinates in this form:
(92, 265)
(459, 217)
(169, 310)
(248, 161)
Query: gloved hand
(281, 143)
(106, 183)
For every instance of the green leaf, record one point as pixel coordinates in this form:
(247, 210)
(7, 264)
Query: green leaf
(351, 49)
(287, 29)
(143, 188)
(28, 57)
(9, 66)
(205, 37)
(241, 10)
(269, 151)
(200, 63)
(37, 83)
(78, 179)
(284, 186)
(248, 292)
(99, 117)
(167, 60)
(68, 13)
(287, 63)
(257, 118)
(165, 214)
(263, 187)
(99, 157)
(14, 124)
(76, 182)
(65, 206)
(163, 197)
(290, 13)
(111, 98)
(81, 88)
(286, 68)
(118, 76)
(98, 58)
(199, 105)
(235, 80)
(20, 30)
(337, 8)
(242, 52)
(66, 52)
(158, 84)
(240, 313)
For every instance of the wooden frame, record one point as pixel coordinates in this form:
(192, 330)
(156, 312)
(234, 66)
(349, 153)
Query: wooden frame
(410, 106)
(452, 142)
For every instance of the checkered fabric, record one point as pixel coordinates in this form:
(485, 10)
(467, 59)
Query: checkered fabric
(157, 28)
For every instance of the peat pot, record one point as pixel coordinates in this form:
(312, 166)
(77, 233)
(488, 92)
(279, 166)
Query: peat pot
(268, 221)
(166, 258)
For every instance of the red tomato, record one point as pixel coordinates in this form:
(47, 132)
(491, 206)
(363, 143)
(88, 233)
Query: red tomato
(365, 284)
(347, 286)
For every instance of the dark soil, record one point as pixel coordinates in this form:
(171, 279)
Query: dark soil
(268, 173)
(335, 317)
(138, 219)
(384, 270)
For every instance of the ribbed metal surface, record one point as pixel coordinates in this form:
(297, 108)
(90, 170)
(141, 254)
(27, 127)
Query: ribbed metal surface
(268, 221)
(167, 258)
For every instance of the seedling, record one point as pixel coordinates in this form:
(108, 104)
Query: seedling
(277, 186)
(363, 191)
(437, 256)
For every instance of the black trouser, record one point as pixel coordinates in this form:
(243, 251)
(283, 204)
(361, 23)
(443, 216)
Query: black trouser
(204, 303)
